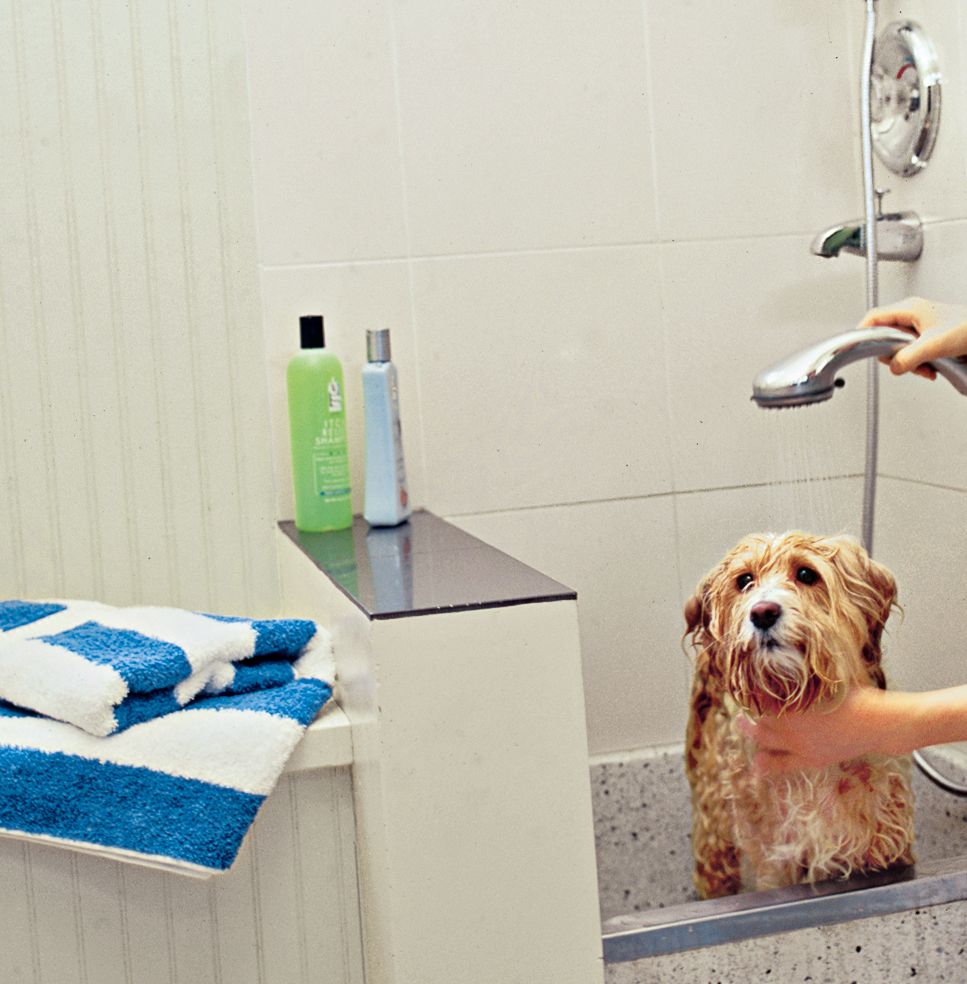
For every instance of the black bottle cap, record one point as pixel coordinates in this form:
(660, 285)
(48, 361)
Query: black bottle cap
(312, 332)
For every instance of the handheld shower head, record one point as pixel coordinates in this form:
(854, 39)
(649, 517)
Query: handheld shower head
(809, 376)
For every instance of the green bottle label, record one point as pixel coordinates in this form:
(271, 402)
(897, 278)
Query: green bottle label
(330, 462)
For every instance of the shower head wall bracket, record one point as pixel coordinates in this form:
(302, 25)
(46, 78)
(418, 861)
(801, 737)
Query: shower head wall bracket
(905, 97)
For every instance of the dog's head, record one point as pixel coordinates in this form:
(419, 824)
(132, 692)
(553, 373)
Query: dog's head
(785, 620)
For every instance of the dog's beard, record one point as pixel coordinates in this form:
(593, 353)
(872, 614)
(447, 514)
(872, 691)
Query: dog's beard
(787, 666)
(769, 677)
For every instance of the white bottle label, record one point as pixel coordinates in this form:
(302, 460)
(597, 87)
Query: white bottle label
(335, 396)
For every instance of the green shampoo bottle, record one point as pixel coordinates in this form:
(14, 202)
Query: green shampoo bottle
(317, 427)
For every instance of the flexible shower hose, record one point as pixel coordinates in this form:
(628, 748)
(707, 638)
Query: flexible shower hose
(872, 283)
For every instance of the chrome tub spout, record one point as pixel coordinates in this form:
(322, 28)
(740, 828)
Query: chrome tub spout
(899, 236)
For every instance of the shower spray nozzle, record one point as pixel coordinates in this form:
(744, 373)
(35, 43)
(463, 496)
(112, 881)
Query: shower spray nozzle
(809, 376)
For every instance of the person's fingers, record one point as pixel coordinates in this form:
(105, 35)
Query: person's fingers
(928, 372)
(912, 356)
(901, 319)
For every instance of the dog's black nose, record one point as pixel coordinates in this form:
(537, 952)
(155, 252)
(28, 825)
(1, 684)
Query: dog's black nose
(765, 614)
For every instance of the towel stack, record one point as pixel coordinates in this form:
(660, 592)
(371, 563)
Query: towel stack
(149, 734)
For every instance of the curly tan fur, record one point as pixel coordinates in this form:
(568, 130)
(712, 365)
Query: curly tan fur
(752, 831)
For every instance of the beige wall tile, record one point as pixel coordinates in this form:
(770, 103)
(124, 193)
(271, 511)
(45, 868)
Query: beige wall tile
(753, 117)
(524, 125)
(920, 537)
(557, 396)
(325, 134)
(542, 378)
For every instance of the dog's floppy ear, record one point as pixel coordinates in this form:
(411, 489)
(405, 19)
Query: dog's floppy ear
(697, 615)
(874, 587)
(695, 612)
(706, 680)
(883, 585)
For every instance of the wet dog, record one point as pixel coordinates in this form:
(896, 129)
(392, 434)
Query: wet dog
(781, 623)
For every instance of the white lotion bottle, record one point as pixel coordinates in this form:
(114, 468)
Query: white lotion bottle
(386, 501)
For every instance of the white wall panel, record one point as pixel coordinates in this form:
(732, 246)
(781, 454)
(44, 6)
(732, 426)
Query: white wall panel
(134, 429)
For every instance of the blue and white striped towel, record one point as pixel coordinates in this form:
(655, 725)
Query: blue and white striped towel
(103, 668)
(178, 790)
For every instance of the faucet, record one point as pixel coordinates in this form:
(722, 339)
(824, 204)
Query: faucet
(899, 236)
(809, 376)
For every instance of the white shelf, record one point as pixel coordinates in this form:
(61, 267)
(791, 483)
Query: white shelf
(327, 743)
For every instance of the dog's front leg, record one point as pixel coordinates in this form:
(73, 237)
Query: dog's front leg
(717, 857)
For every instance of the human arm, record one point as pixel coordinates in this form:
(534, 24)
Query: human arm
(941, 331)
(866, 721)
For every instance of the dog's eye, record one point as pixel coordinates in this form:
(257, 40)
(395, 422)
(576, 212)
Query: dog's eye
(806, 575)
(743, 581)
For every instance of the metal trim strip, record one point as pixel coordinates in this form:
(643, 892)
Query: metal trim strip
(753, 914)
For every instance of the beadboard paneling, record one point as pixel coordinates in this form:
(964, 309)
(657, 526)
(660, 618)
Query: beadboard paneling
(134, 436)
(287, 913)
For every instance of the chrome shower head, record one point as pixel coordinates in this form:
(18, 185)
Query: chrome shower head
(809, 376)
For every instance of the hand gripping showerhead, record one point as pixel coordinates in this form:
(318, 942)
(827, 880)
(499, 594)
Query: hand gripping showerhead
(809, 376)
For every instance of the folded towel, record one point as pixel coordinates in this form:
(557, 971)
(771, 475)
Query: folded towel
(177, 791)
(103, 668)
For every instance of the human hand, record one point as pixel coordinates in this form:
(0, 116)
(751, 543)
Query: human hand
(941, 331)
(822, 735)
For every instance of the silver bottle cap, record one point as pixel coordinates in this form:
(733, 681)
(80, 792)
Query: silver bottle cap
(377, 345)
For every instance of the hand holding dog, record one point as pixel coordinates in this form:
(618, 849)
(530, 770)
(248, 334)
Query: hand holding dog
(941, 331)
(866, 722)
(823, 735)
